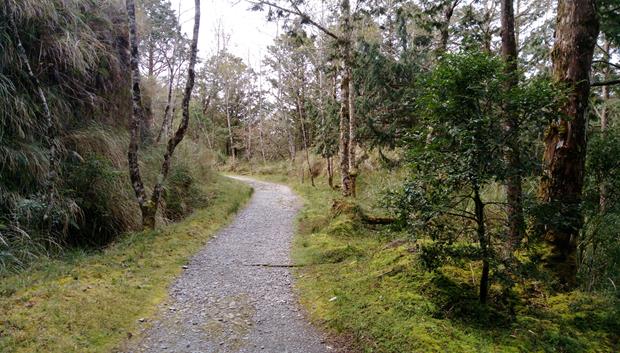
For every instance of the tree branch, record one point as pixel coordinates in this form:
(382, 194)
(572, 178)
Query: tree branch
(297, 12)
(605, 83)
(606, 63)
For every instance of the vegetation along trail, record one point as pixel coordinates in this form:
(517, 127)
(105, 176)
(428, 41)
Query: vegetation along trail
(236, 294)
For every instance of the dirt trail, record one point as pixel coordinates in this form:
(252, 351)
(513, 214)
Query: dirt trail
(225, 301)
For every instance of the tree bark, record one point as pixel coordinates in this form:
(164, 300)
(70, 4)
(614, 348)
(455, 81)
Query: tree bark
(512, 154)
(565, 139)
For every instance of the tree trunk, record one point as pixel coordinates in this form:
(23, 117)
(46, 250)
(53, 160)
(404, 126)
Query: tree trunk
(229, 124)
(444, 30)
(345, 88)
(565, 139)
(249, 152)
(343, 145)
(514, 193)
(260, 115)
(300, 103)
(605, 94)
(174, 141)
(484, 245)
(353, 171)
(330, 173)
(136, 118)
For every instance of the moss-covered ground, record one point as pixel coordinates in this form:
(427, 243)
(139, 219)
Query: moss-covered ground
(366, 283)
(91, 301)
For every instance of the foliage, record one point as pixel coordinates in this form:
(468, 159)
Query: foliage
(600, 246)
(456, 157)
(386, 110)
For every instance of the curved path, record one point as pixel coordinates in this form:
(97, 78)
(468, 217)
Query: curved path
(227, 300)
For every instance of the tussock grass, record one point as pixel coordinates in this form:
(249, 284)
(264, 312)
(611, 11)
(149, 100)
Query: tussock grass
(91, 301)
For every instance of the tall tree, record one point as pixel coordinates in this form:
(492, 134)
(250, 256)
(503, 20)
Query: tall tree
(514, 193)
(137, 114)
(148, 207)
(577, 27)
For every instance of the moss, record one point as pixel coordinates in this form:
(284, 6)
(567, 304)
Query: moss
(89, 302)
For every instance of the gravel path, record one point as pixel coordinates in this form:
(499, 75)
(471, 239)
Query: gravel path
(227, 300)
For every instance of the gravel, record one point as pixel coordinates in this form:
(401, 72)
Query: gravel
(236, 294)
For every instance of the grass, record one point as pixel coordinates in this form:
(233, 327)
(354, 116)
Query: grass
(90, 302)
(367, 284)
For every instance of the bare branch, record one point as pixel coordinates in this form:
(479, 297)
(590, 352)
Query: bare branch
(297, 12)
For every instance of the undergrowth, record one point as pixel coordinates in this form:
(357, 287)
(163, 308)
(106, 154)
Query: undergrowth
(90, 300)
(95, 201)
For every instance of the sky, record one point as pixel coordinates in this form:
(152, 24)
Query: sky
(249, 31)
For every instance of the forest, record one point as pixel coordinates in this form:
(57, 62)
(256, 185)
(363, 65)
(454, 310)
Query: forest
(456, 164)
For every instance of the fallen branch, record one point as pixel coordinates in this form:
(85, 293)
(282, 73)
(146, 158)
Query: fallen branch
(377, 219)
(275, 265)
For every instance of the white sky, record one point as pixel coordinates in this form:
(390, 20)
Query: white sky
(249, 31)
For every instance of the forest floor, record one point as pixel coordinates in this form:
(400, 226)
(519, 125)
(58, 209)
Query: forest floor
(92, 300)
(236, 294)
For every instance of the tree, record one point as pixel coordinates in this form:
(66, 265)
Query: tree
(148, 207)
(565, 138)
(449, 171)
(514, 193)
